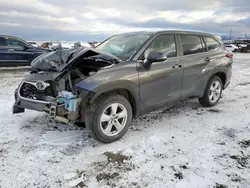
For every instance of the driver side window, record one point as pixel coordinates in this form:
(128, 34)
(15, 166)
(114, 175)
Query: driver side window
(164, 44)
(14, 42)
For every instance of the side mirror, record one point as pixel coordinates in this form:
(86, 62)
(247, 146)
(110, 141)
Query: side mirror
(154, 56)
(26, 47)
(22, 48)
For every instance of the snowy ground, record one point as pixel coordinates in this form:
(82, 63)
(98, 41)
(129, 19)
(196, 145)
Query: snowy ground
(186, 146)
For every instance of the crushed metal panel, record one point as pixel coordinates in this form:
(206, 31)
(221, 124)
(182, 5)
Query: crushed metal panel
(54, 61)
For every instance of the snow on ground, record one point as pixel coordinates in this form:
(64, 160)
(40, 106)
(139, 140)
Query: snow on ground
(186, 146)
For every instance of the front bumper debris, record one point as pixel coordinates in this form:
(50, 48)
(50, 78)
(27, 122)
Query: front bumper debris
(16, 109)
(64, 108)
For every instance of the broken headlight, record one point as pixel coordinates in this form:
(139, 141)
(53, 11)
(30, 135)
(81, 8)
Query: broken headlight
(82, 92)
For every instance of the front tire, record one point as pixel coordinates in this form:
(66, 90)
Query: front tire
(212, 93)
(108, 119)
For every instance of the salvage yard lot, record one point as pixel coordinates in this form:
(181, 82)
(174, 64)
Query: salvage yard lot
(185, 146)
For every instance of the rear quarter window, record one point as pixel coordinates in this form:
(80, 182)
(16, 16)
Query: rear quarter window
(211, 43)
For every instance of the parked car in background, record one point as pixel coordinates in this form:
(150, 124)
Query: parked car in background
(67, 45)
(33, 43)
(241, 45)
(82, 44)
(231, 47)
(85, 44)
(94, 44)
(71, 44)
(53, 45)
(245, 49)
(17, 52)
(60, 45)
(126, 76)
(45, 45)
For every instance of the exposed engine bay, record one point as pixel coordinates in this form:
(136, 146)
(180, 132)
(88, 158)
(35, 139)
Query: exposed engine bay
(53, 79)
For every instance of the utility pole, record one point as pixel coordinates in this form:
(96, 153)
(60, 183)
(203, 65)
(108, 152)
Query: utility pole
(230, 35)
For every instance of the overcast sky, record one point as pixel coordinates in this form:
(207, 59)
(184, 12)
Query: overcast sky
(97, 19)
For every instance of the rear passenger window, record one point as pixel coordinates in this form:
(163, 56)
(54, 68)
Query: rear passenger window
(211, 43)
(191, 44)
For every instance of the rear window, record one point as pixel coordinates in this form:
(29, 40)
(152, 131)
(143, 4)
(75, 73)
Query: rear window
(211, 43)
(191, 44)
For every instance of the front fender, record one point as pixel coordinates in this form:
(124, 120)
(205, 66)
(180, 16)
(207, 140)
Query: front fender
(100, 88)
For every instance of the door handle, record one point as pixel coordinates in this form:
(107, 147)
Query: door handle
(177, 66)
(207, 59)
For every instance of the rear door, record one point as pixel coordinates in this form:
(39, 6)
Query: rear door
(160, 84)
(194, 59)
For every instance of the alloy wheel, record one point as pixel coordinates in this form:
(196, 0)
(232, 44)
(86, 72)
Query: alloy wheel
(113, 119)
(214, 92)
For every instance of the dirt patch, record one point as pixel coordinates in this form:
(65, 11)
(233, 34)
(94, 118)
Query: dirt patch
(177, 109)
(71, 150)
(116, 158)
(229, 132)
(183, 167)
(161, 156)
(244, 143)
(3, 152)
(199, 113)
(178, 175)
(244, 83)
(81, 185)
(27, 148)
(217, 185)
(241, 160)
(214, 110)
(244, 97)
(236, 178)
(221, 143)
(107, 176)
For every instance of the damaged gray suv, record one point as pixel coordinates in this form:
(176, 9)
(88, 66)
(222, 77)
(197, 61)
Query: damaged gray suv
(125, 76)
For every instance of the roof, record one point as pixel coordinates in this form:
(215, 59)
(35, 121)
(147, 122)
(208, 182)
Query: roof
(169, 31)
(8, 36)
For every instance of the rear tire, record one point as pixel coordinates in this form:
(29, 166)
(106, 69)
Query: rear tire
(212, 92)
(109, 117)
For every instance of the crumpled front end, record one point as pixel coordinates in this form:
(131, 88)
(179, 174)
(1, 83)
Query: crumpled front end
(38, 95)
(55, 89)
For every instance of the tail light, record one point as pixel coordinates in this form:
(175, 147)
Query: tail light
(229, 55)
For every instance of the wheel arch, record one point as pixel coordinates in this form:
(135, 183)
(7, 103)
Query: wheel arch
(221, 74)
(128, 93)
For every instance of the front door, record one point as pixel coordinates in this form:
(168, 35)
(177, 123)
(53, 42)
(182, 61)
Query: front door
(160, 84)
(18, 52)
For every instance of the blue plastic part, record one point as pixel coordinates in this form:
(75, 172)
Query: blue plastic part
(68, 99)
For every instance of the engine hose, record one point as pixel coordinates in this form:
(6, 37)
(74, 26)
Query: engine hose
(70, 84)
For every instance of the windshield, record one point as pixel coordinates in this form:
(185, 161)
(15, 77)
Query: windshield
(123, 46)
